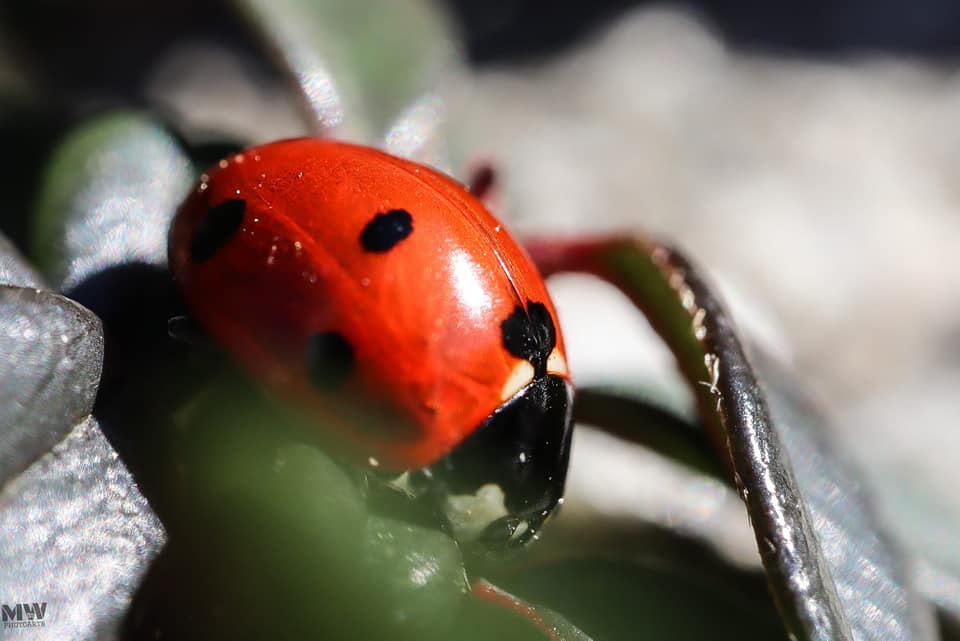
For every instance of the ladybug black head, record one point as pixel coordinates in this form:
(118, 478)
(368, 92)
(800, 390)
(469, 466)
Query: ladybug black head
(500, 484)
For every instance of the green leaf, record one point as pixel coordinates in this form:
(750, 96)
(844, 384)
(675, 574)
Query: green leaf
(420, 575)
(261, 504)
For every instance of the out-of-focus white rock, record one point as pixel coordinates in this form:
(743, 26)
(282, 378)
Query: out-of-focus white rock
(824, 190)
(614, 485)
(821, 193)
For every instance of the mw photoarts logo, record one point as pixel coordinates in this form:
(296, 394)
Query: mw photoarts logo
(23, 615)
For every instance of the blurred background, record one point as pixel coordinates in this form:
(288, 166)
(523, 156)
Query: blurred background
(804, 153)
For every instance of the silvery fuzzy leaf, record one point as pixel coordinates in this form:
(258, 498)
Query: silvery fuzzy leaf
(357, 62)
(14, 269)
(76, 535)
(942, 588)
(107, 198)
(52, 353)
(920, 503)
(874, 579)
(418, 133)
(832, 569)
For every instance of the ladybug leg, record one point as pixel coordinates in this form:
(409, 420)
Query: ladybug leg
(482, 182)
(670, 292)
(483, 179)
(405, 496)
(186, 330)
(550, 624)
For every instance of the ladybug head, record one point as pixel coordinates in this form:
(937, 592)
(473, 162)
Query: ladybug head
(500, 484)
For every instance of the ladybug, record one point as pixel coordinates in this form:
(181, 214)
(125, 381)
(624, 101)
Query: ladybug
(382, 297)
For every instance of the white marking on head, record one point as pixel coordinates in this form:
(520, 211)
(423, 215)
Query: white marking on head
(556, 364)
(470, 514)
(519, 378)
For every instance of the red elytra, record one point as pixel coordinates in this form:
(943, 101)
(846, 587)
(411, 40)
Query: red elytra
(312, 249)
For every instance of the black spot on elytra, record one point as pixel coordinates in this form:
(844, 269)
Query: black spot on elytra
(216, 228)
(384, 231)
(530, 334)
(329, 360)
